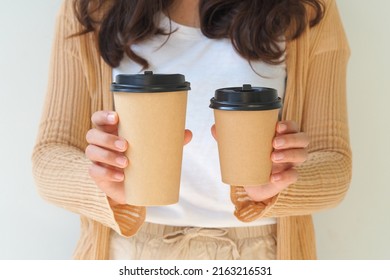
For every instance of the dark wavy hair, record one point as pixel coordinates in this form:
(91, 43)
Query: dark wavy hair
(255, 27)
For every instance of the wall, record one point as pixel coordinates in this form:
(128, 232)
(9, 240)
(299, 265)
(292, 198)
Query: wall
(33, 229)
(30, 227)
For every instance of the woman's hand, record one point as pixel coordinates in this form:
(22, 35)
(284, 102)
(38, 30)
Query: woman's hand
(106, 151)
(290, 150)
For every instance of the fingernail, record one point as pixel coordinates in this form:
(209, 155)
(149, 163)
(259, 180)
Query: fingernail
(279, 142)
(122, 161)
(276, 178)
(282, 127)
(120, 144)
(111, 118)
(119, 176)
(278, 156)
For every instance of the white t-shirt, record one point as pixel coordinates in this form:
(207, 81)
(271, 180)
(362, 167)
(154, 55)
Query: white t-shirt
(208, 64)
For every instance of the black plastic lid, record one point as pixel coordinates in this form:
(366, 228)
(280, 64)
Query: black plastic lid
(246, 98)
(149, 82)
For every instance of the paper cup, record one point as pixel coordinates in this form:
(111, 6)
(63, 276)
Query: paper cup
(152, 114)
(245, 121)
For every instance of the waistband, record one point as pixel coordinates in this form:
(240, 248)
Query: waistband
(234, 233)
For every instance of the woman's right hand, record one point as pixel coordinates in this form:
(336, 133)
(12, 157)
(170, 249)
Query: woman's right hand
(106, 151)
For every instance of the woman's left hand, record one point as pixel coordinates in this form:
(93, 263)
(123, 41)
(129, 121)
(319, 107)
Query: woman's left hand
(290, 150)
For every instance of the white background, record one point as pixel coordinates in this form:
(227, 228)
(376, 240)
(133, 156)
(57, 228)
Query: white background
(30, 228)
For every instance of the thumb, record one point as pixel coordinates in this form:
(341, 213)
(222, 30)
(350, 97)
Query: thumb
(187, 136)
(214, 131)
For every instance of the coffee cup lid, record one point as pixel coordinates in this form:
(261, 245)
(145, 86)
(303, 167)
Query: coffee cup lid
(149, 82)
(246, 98)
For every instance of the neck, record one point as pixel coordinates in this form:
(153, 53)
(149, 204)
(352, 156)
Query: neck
(185, 12)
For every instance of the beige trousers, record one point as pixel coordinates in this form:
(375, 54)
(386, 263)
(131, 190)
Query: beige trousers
(160, 242)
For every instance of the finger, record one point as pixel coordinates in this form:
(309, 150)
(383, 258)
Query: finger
(101, 155)
(288, 141)
(214, 131)
(106, 121)
(285, 127)
(115, 191)
(187, 136)
(281, 166)
(294, 156)
(284, 179)
(102, 174)
(260, 193)
(279, 182)
(106, 140)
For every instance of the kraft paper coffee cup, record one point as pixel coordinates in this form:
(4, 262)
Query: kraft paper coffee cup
(245, 121)
(152, 114)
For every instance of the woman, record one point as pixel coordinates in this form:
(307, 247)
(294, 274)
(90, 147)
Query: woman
(298, 47)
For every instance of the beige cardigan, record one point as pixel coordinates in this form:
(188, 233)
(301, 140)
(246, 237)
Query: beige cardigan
(315, 98)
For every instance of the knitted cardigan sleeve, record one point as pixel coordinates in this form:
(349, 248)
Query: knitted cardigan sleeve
(316, 100)
(60, 167)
